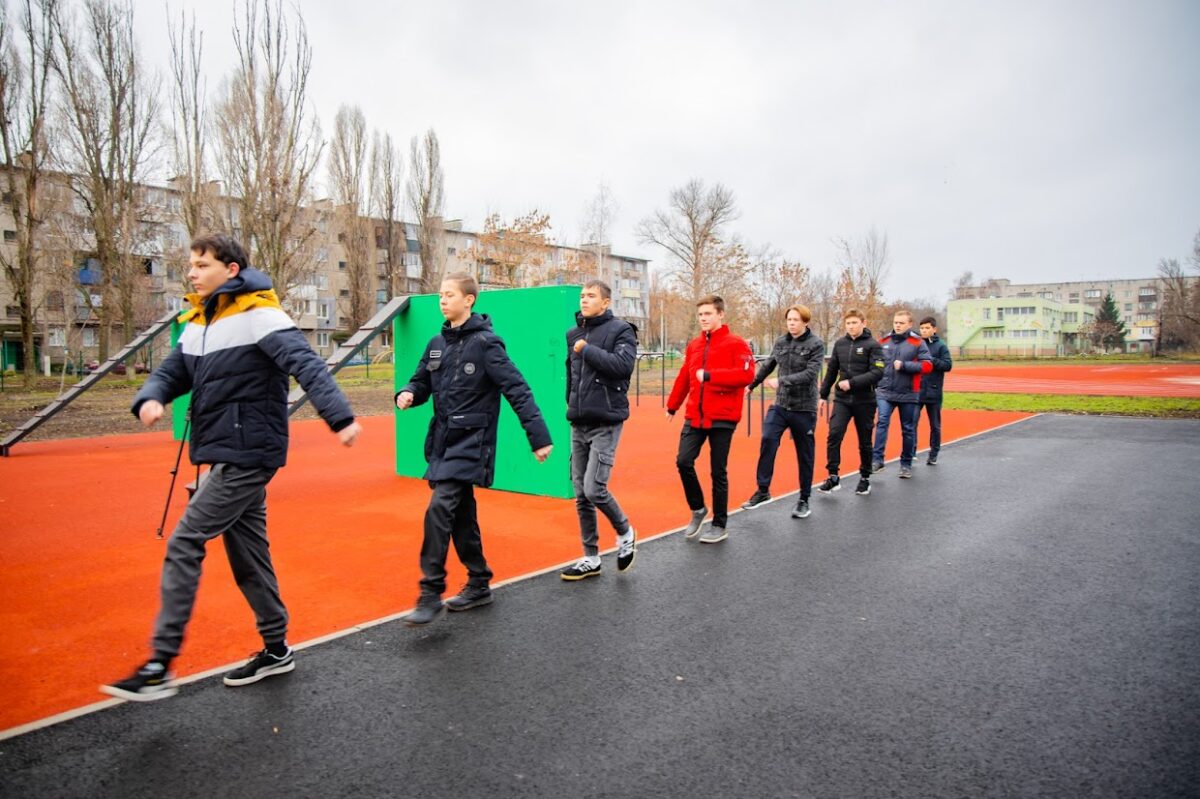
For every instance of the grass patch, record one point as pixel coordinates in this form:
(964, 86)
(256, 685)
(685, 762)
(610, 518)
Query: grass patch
(1155, 407)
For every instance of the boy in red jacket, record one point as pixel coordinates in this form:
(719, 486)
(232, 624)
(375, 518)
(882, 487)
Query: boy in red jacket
(716, 370)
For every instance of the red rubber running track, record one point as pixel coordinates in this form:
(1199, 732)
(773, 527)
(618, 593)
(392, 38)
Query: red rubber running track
(1120, 380)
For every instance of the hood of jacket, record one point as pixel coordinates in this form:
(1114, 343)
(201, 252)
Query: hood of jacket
(475, 322)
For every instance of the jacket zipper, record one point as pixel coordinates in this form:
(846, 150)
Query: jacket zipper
(703, 365)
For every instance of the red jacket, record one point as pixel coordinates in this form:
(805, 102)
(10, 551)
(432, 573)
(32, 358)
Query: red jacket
(728, 366)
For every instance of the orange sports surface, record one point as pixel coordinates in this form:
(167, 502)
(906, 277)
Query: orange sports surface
(79, 583)
(1120, 380)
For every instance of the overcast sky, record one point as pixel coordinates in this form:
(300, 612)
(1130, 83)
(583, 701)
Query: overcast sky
(1028, 140)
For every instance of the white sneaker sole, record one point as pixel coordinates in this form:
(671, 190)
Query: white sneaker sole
(164, 692)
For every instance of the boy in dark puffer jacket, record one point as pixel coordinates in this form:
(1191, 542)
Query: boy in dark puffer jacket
(235, 355)
(799, 355)
(905, 360)
(601, 354)
(465, 369)
(931, 386)
(855, 367)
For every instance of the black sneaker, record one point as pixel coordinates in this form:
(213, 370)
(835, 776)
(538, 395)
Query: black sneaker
(580, 571)
(864, 487)
(932, 461)
(626, 549)
(260, 666)
(832, 483)
(151, 681)
(429, 609)
(471, 596)
(757, 498)
(877, 466)
(802, 510)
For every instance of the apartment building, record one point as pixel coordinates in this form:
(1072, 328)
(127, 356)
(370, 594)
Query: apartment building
(1138, 299)
(67, 298)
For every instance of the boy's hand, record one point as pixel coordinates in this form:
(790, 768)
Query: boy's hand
(404, 400)
(772, 382)
(150, 412)
(543, 453)
(844, 385)
(348, 434)
(579, 345)
(898, 365)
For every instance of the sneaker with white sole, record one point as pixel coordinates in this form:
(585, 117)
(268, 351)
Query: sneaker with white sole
(832, 483)
(150, 682)
(714, 535)
(864, 487)
(906, 472)
(802, 510)
(260, 666)
(693, 527)
(626, 549)
(757, 498)
(584, 568)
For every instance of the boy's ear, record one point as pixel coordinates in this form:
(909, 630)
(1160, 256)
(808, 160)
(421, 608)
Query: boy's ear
(235, 267)
(469, 299)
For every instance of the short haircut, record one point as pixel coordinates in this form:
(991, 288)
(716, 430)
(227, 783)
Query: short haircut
(854, 313)
(466, 284)
(805, 314)
(929, 320)
(597, 283)
(714, 301)
(903, 312)
(224, 248)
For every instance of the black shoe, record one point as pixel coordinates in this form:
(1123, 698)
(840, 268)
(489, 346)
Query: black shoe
(261, 665)
(471, 596)
(626, 549)
(151, 681)
(429, 609)
(757, 498)
(802, 510)
(832, 483)
(580, 571)
(864, 487)
(877, 466)
(932, 461)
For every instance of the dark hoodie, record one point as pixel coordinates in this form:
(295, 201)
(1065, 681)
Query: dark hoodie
(465, 369)
(235, 355)
(598, 377)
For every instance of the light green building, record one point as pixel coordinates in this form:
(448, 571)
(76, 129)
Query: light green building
(1021, 327)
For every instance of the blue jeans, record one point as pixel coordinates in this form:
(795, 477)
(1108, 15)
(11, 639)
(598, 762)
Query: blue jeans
(909, 413)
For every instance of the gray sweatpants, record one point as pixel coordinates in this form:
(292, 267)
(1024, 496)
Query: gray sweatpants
(593, 453)
(231, 500)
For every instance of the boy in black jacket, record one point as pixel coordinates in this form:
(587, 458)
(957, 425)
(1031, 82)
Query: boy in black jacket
(235, 355)
(931, 386)
(601, 354)
(465, 369)
(855, 366)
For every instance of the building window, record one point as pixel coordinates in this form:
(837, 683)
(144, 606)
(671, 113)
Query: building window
(322, 310)
(322, 338)
(10, 235)
(1091, 293)
(58, 337)
(451, 251)
(89, 338)
(1145, 291)
(987, 313)
(54, 301)
(344, 293)
(342, 265)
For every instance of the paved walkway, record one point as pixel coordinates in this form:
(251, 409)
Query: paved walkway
(1018, 621)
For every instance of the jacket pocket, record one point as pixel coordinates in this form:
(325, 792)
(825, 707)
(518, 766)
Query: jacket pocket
(464, 436)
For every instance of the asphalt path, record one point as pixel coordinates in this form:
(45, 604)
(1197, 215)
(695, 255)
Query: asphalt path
(1021, 620)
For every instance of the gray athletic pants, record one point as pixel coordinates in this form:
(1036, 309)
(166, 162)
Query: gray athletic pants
(593, 453)
(230, 500)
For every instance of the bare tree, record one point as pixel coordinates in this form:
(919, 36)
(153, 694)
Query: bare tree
(692, 231)
(189, 130)
(348, 182)
(597, 224)
(386, 197)
(516, 253)
(269, 143)
(862, 268)
(822, 300)
(775, 283)
(426, 199)
(1179, 309)
(25, 75)
(110, 113)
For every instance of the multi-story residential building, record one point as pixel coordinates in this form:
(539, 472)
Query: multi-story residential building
(66, 315)
(1016, 326)
(1138, 299)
